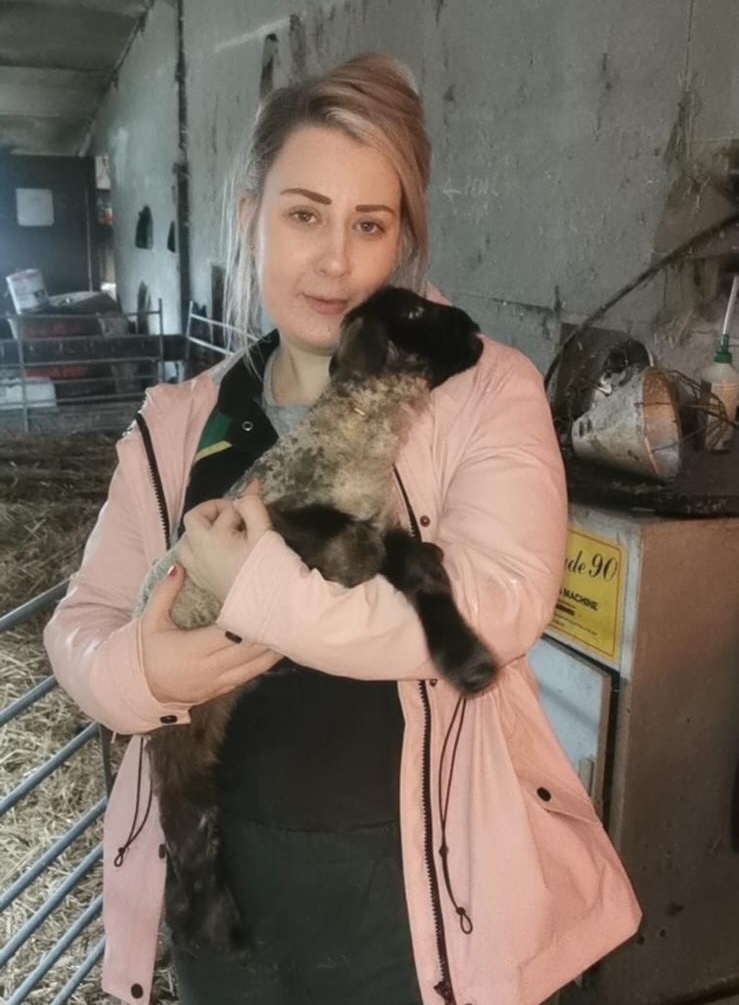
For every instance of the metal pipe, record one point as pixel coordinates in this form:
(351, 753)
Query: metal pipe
(100, 361)
(34, 779)
(207, 345)
(27, 699)
(89, 213)
(217, 324)
(33, 606)
(46, 362)
(68, 350)
(160, 312)
(54, 899)
(90, 399)
(106, 739)
(46, 315)
(182, 169)
(24, 389)
(82, 971)
(48, 961)
(52, 853)
(724, 343)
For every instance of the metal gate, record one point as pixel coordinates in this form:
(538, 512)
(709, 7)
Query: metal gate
(60, 844)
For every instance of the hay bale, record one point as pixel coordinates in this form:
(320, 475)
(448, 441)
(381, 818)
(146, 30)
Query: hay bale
(51, 489)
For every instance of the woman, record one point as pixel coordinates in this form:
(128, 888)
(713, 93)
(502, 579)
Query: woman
(385, 841)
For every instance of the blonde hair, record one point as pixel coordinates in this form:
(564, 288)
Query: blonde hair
(373, 99)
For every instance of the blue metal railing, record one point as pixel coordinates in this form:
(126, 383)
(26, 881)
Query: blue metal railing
(91, 860)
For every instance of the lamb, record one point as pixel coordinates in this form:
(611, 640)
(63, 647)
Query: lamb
(328, 488)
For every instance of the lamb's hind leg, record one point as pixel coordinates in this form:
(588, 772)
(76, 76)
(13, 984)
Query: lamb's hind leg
(201, 911)
(414, 567)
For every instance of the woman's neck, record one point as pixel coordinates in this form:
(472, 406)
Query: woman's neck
(298, 376)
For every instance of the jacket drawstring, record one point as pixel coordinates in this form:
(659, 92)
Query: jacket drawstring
(465, 921)
(136, 827)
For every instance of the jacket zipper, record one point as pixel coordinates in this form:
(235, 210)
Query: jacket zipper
(444, 988)
(155, 476)
(137, 827)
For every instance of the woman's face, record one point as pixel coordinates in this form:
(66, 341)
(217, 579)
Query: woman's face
(327, 233)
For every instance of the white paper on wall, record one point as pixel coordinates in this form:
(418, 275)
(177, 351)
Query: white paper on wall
(34, 207)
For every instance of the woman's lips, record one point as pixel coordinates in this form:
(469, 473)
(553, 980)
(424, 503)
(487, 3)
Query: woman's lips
(323, 306)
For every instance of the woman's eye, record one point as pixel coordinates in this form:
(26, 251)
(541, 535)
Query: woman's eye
(303, 215)
(371, 227)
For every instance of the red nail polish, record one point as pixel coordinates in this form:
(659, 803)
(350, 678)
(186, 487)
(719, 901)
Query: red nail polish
(172, 571)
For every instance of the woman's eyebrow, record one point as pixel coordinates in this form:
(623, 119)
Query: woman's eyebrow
(374, 208)
(315, 196)
(324, 199)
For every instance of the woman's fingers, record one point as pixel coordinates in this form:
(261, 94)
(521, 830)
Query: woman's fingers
(214, 545)
(195, 665)
(247, 671)
(218, 513)
(253, 512)
(163, 596)
(231, 662)
(247, 513)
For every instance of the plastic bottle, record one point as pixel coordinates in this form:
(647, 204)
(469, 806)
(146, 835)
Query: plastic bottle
(719, 380)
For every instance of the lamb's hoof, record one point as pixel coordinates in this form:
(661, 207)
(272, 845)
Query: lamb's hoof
(475, 675)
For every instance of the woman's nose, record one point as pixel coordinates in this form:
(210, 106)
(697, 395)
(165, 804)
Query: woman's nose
(334, 252)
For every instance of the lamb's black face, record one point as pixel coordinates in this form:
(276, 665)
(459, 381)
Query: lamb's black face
(397, 331)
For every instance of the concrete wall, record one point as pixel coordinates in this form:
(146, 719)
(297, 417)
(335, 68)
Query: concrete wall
(559, 128)
(138, 129)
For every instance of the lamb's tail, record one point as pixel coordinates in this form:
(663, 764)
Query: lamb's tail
(414, 567)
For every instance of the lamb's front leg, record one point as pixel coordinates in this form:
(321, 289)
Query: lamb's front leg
(342, 548)
(415, 568)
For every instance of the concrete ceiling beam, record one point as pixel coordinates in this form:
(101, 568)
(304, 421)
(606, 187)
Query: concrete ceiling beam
(45, 35)
(129, 8)
(41, 136)
(57, 59)
(49, 93)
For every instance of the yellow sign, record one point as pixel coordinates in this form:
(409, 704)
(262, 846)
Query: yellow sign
(588, 610)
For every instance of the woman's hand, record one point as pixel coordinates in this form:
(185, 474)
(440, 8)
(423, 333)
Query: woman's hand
(191, 666)
(219, 536)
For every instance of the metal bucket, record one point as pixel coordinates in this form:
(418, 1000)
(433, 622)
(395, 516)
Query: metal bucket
(27, 290)
(36, 392)
(636, 428)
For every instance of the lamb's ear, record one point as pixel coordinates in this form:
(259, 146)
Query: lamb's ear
(362, 348)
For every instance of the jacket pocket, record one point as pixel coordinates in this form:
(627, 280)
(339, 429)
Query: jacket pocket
(556, 798)
(541, 766)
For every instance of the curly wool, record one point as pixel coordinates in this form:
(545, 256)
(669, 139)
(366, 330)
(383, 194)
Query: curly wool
(341, 455)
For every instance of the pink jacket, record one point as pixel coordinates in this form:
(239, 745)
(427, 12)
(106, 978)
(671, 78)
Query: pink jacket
(528, 858)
